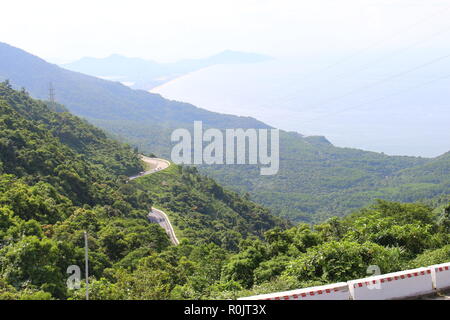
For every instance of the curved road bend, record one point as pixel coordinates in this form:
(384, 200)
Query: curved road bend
(156, 215)
(162, 219)
(156, 165)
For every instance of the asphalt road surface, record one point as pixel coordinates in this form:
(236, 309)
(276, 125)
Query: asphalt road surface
(161, 218)
(155, 215)
(155, 165)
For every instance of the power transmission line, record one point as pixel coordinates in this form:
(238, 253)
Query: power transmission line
(378, 100)
(382, 81)
(86, 258)
(376, 61)
(380, 42)
(374, 45)
(51, 95)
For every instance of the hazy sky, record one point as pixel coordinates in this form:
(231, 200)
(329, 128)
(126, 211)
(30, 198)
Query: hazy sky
(167, 30)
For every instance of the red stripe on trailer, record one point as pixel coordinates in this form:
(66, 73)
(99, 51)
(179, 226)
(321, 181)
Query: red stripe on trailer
(304, 294)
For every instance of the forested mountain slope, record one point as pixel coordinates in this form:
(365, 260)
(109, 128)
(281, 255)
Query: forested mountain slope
(201, 209)
(316, 179)
(145, 119)
(60, 176)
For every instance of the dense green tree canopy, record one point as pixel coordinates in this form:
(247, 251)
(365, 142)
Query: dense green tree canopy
(60, 177)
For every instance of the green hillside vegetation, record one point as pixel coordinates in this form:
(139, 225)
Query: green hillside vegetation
(317, 180)
(390, 235)
(203, 211)
(393, 236)
(60, 176)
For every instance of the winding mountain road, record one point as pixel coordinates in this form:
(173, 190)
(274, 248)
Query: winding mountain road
(162, 219)
(155, 215)
(155, 164)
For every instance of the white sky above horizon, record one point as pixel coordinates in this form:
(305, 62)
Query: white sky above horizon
(63, 31)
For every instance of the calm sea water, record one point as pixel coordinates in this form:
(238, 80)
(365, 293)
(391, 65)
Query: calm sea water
(385, 107)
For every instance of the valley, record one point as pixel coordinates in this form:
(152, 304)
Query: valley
(190, 156)
(316, 180)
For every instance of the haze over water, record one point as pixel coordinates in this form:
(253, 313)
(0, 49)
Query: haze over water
(349, 102)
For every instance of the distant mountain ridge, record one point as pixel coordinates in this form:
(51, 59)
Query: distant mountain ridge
(145, 74)
(99, 99)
